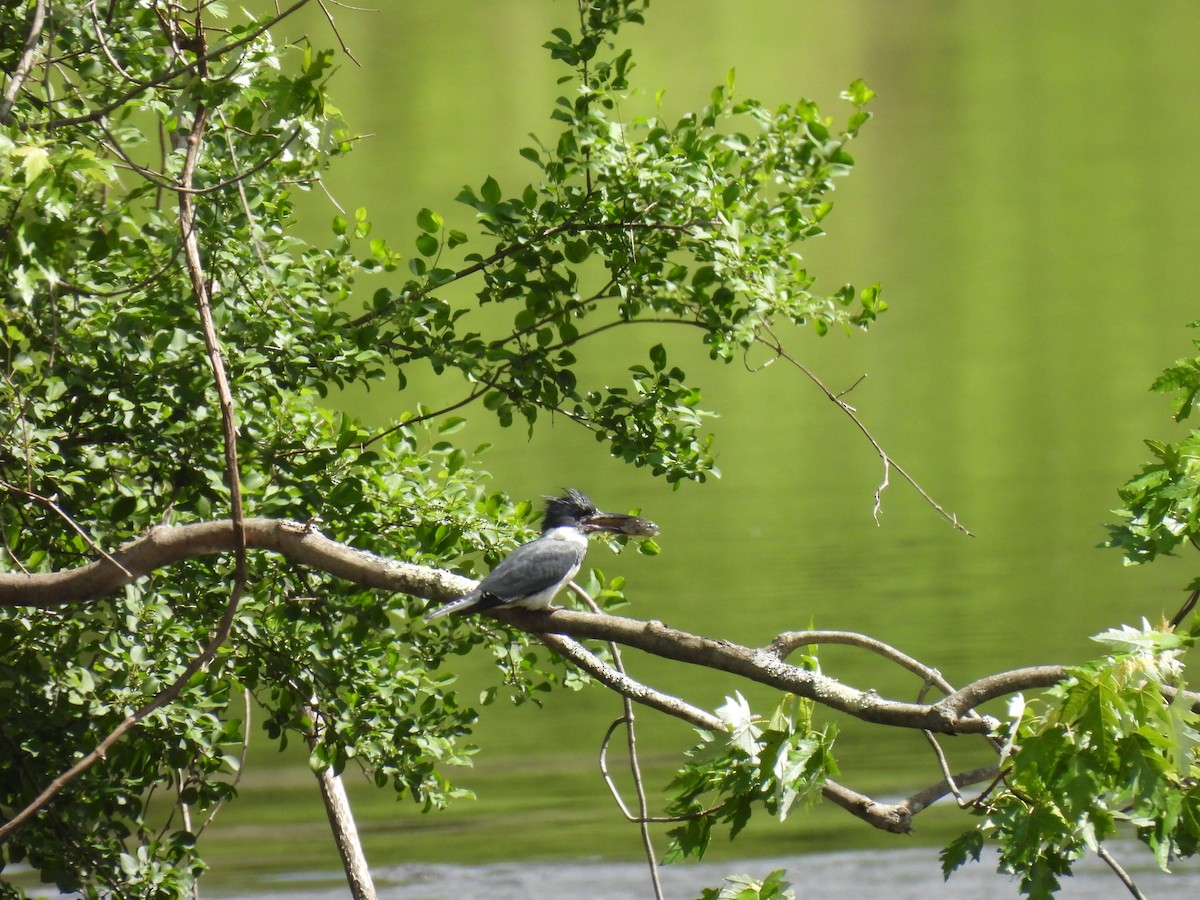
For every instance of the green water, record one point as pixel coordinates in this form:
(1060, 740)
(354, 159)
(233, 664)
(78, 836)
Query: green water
(1025, 193)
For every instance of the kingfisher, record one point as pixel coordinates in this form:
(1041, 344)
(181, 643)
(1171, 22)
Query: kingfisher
(533, 574)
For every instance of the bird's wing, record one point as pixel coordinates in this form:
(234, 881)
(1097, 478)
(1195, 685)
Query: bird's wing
(528, 570)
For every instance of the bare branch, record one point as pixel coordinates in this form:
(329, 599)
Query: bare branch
(789, 641)
(754, 664)
(167, 544)
(629, 687)
(948, 785)
(643, 819)
(1000, 685)
(1120, 872)
(894, 818)
(1187, 607)
(337, 34)
(25, 63)
(776, 347)
(635, 767)
(559, 630)
(340, 815)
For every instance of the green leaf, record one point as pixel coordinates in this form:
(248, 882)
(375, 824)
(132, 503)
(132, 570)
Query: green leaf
(34, 161)
(967, 846)
(428, 220)
(427, 245)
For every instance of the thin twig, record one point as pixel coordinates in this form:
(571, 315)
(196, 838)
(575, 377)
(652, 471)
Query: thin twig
(254, 228)
(925, 797)
(248, 709)
(616, 793)
(58, 510)
(861, 378)
(329, 196)
(415, 420)
(185, 810)
(945, 767)
(889, 463)
(104, 48)
(163, 181)
(336, 33)
(1119, 872)
(1187, 607)
(199, 64)
(634, 765)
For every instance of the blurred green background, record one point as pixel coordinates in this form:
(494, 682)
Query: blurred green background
(1026, 195)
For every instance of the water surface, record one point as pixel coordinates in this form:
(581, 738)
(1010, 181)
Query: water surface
(1026, 194)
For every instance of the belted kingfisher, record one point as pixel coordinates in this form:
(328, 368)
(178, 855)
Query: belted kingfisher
(534, 573)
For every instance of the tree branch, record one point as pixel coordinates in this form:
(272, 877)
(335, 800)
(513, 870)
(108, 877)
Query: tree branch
(25, 63)
(168, 544)
(635, 767)
(1003, 683)
(755, 665)
(560, 630)
(49, 503)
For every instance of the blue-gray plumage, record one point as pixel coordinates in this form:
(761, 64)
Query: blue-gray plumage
(534, 573)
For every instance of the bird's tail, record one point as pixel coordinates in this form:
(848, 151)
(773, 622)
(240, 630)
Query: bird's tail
(463, 603)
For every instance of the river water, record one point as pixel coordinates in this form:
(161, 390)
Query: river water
(1026, 194)
(894, 874)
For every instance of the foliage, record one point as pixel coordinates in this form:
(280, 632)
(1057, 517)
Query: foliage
(692, 223)
(744, 887)
(110, 424)
(109, 420)
(728, 774)
(1161, 505)
(1107, 746)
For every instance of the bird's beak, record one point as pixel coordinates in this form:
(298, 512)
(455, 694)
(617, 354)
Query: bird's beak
(634, 526)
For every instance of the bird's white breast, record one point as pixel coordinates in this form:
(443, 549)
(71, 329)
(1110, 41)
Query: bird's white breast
(570, 535)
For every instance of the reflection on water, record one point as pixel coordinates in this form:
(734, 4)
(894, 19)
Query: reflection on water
(1026, 196)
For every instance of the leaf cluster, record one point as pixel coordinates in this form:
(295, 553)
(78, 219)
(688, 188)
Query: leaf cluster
(1160, 508)
(745, 887)
(1106, 747)
(692, 223)
(772, 764)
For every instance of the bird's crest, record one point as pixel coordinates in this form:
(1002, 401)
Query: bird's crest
(568, 509)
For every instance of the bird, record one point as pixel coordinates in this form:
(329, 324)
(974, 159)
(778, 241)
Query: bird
(533, 574)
